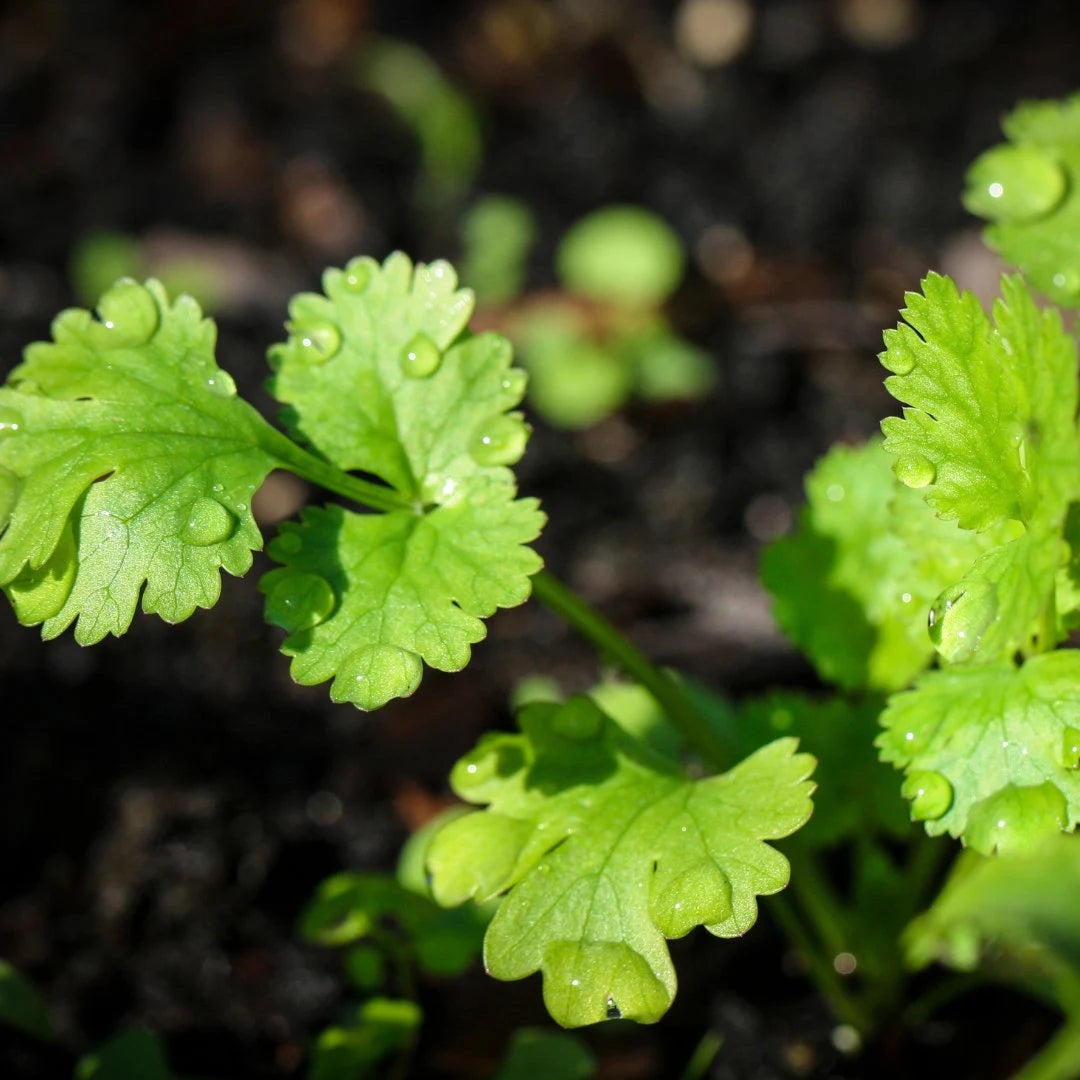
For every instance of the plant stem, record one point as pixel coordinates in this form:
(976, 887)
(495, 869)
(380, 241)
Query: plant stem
(1059, 1059)
(677, 707)
(845, 1008)
(299, 461)
(819, 901)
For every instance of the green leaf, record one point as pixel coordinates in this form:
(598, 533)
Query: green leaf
(991, 752)
(625, 254)
(374, 380)
(21, 1004)
(667, 368)
(383, 1025)
(990, 433)
(856, 793)
(497, 233)
(539, 1054)
(349, 908)
(853, 586)
(397, 589)
(134, 1055)
(604, 849)
(1016, 914)
(126, 460)
(1029, 189)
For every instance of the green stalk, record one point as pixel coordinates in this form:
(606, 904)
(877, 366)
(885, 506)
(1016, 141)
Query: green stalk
(819, 901)
(678, 708)
(299, 461)
(1059, 1059)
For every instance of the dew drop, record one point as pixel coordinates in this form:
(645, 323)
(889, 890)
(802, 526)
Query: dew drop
(1014, 183)
(899, 357)
(129, 313)
(287, 543)
(1067, 281)
(9, 494)
(357, 275)
(11, 422)
(960, 617)
(208, 523)
(220, 384)
(499, 441)
(835, 493)
(915, 472)
(317, 342)
(299, 602)
(930, 793)
(579, 719)
(421, 357)
(1070, 748)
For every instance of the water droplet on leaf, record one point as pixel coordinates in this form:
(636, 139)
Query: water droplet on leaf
(1015, 818)
(915, 472)
(357, 275)
(930, 793)
(1014, 183)
(421, 357)
(317, 342)
(960, 617)
(1067, 281)
(371, 677)
(499, 441)
(288, 543)
(899, 357)
(1070, 748)
(299, 602)
(11, 422)
(129, 313)
(208, 523)
(220, 384)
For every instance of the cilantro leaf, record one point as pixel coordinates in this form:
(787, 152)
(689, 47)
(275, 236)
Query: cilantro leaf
(367, 597)
(990, 433)
(1029, 189)
(1015, 915)
(372, 378)
(604, 849)
(854, 584)
(991, 752)
(126, 459)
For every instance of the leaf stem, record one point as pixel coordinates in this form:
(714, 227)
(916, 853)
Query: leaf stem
(304, 464)
(679, 710)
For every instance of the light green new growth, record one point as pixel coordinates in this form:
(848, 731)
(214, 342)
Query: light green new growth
(990, 433)
(126, 460)
(373, 378)
(1029, 189)
(605, 849)
(854, 584)
(992, 752)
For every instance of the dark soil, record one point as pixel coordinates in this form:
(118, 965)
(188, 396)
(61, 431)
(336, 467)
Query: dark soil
(163, 797)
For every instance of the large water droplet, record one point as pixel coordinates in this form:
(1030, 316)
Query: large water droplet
(579, 719)
(371, 677)
(208, 523)
(1015, 818)
(1070, 748)
(299, 602)
(960, 617)
(916, 471)
(9, 495)
(899, 357)
(421, 357)
(699, 894)
(930, 793)
(499, 441)
(358, 275)
(288, 543)
(220, 384)
(1014, 183)
(317, 342)
(1067, 282)
(11, 422)
(129, 313)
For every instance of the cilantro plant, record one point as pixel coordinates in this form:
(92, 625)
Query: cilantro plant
(127, 468)
(932, 579)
